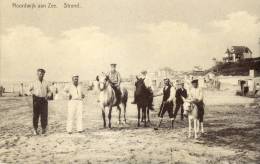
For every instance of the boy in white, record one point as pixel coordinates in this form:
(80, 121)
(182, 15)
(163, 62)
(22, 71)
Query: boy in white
(75, 104)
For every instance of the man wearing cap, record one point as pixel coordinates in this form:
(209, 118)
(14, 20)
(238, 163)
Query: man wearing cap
(168, 93)
(75, 104)
(40, 92)
(195, 94)
(115, 80)
(181, 92)
(148, 85)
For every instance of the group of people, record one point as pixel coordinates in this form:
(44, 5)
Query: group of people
(174, 96)
(42, 92)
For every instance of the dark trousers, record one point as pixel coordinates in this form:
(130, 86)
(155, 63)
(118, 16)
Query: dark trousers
(166, 107)
(178, 106)
(117, 93)
(200, 106)
(40, 109)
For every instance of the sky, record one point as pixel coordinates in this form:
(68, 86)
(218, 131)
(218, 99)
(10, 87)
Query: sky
(136, 34)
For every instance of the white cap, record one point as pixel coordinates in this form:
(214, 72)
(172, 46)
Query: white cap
(75, 75)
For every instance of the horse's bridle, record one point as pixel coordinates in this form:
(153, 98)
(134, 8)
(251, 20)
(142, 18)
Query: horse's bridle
(105, 85)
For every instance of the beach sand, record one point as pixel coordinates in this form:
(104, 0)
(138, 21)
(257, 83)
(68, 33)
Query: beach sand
(231, 123)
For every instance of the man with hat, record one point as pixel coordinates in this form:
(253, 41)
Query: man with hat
(180, 92)
(75, 104)
(168, 93)
(115, 80)
(148, 84)
(196, 96)
(40, 92)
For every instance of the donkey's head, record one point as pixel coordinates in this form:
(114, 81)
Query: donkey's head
(187, 107)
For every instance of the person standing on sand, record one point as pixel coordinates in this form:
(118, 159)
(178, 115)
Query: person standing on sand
(75, 104)
(180, 92)
(168, 92)
(40, 90)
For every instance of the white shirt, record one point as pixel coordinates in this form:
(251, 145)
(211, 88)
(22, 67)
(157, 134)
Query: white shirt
(196, 93)
(39, 89)
(147, 81)
(74, 92)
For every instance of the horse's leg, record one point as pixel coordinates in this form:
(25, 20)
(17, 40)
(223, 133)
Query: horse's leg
(119, 114)
(144, 112)
(138, 124)
(109, 116)
(104, 117)
(124, 106)
(148, 115)
(142, 120)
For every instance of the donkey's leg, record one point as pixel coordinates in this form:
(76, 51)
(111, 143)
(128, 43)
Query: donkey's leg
(138, 124)
(202, 127)
(198, 126)
(195, 128)
(104, 117)
(109, 117)
(119, 114)
(189, 127)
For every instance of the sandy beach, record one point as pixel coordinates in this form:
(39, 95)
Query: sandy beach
(231, 123)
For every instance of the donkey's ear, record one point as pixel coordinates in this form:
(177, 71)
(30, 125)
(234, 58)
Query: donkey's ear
(97, 78)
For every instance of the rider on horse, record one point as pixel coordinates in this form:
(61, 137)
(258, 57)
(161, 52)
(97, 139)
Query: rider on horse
(115, 80)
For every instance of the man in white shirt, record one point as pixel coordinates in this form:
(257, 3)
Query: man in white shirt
(168, 93)
(40, 90)
(196, 96)
(75, 104)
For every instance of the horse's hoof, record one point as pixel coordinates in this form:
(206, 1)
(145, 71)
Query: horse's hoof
(156, 128)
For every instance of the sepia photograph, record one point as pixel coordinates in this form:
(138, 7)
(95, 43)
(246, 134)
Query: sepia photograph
(129, 81)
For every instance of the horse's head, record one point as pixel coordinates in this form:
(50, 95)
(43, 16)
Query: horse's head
(140, 87)
(103, 81)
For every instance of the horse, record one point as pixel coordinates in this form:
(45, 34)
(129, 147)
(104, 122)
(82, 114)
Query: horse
(192, 111)
(142, 101)
(108, 100)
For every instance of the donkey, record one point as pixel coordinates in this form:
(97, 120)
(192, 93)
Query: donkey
(191, 110)
(142, 101)
(108, 100)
